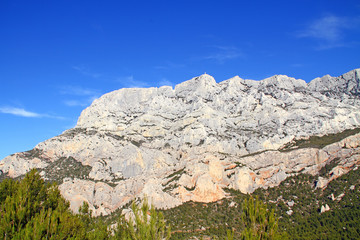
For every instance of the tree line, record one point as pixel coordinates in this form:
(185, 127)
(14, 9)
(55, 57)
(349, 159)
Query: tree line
(34, 209)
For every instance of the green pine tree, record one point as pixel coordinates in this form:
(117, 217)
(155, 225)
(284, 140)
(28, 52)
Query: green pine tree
(32, 209)
(147, 224)
(260, 222)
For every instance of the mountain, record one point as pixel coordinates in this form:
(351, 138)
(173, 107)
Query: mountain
(192, 142)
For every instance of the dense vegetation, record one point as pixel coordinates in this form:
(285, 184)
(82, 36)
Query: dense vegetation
(33, 209)
(296, 201)
(320, 141)
(307, 222)
(142, 227)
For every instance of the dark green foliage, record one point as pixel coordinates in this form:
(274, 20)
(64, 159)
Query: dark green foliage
(219, 221)
(205, 219)
(33, 153)
(69, 167)
(147, 224)
(114, 136)
(66, 167)
(328, 167)
(7, 189)
(259, 221)
(254, 154)
(342, 221)
(96, 227)
(35, 210)
(299, 189)
(306, 221)
(230, 234)
(320, 142)
(170, 185)
(176, 173)
(71, 133)
(137, 143)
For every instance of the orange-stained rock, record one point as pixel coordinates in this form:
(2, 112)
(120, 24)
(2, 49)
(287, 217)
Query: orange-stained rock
(192, 141)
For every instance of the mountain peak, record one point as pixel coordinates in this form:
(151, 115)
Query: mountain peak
(202, 85)
(188, 143)
(206, 76)
(348, 83)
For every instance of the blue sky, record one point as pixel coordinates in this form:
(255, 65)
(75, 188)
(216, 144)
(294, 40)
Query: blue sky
(58, 56)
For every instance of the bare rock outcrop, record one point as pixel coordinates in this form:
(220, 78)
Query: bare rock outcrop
(193, 141)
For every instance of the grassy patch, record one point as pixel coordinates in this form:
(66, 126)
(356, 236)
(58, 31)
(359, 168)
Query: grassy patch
(207, 220)
(324, 171)
(170, 184)
(66, 168)
(137, 143)
(71, 133)
(319, 142)
(114, 136)
(179, 172)
(306, 221)
(33, 153)
(254, 154)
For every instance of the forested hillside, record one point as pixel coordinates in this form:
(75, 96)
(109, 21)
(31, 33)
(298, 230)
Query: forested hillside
(194, 141)
(296, 202)
(33, 209)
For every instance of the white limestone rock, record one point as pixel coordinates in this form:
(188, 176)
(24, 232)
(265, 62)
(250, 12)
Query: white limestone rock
(18, 164)
(289, 212)
(291, 203)
(244, 181)
(190, 142)
(324, 208)
(321, 182)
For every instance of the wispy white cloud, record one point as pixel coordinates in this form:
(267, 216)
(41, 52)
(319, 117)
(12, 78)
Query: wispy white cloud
(24, 113)
(19, 112)
(86, 95)
(131, 82)
(86, 71)
(78, 91)
(79, 103)
(166, 82)
(76, 103)
(328, 28)
(329, 31)
(224, 53)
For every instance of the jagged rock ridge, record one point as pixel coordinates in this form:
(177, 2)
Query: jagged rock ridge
(190, 142)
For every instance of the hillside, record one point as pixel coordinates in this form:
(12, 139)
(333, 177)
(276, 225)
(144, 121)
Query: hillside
(296, 201)
(201, 140)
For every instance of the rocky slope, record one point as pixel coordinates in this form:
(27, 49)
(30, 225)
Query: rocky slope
(191, 142)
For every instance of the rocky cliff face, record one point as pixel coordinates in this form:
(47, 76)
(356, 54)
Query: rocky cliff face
(191, 142)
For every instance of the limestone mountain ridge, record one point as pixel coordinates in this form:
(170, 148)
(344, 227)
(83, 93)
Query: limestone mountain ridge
(190, 142)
